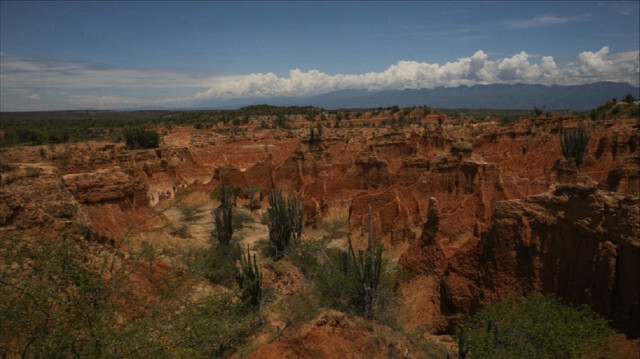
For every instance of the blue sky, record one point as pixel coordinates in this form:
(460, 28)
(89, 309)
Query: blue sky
(70, 55)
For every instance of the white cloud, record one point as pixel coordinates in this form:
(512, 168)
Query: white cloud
(67, 84)
(16, 71)
(477, 69)
(621, 7)
(545, 20)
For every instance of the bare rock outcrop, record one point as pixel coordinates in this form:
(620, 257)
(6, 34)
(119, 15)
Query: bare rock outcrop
(624, 178)
(427, 255)
(106, 186)
(566, 171)
(34, 202)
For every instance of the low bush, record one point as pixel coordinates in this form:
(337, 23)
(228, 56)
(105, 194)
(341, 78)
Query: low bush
(190, 213)
(461, 147)
(334, 228)
(241, 218)
(218, 264)
(536, 327)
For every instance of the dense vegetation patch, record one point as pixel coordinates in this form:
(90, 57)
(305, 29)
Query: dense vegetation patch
(627, 108)
(140, 138)
(56, 302)
(535, 327)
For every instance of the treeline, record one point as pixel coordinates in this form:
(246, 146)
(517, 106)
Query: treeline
(35, 137)
(53, 127)
(39, 128)
(139, 137)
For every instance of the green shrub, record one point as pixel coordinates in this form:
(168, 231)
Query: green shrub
(536, 327)
(337, 284)
(333, 280)
(249, 193)
(461, 147)
(347, 281)
(334, 227)
(241, 218)
(55, 302)
(232, 193)
(218, 264)
(294, 310)
(190, 213)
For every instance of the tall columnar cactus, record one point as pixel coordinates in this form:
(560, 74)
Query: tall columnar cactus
(249, 278)
(462, 344)
(575, 143)
(223, 216)
(368, 265)
(285, 220)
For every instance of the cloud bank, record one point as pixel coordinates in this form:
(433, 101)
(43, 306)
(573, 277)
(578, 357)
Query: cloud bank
(28, 72)
(29, 83)
(541, 21)
(475, 70)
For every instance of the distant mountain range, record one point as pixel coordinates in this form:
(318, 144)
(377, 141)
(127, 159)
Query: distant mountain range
(497, 96)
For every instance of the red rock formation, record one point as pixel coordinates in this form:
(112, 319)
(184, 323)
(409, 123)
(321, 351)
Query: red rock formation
(34, 202)
(105, 186)
(624, 178)
(579, 243)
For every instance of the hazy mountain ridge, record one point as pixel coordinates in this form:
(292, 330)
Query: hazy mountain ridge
(497, 96)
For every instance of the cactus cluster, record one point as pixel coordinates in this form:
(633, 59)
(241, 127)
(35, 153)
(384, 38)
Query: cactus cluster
(575, 143)
(249, 278)
(368, 264)
(284, 219)
(224, 218)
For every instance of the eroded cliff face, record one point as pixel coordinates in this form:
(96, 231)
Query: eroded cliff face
(580, 243)
(35, 202)
(106, 186)
(577, 242)
(394, 172)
